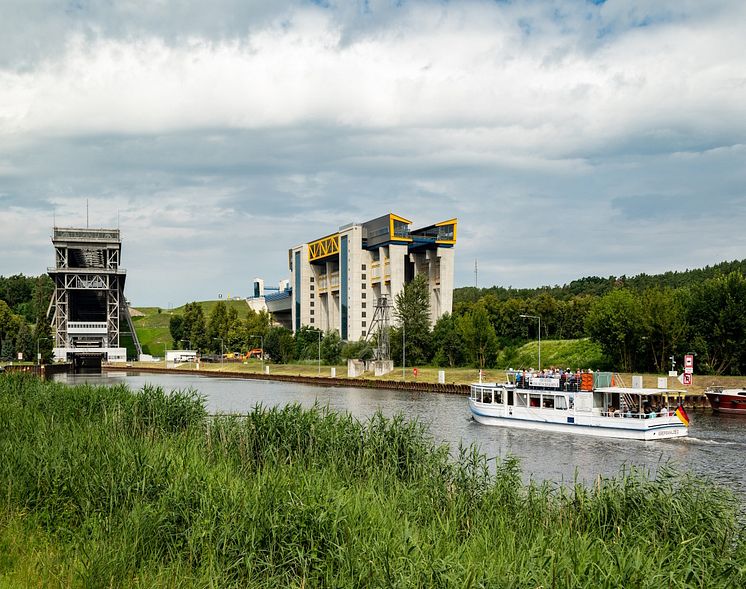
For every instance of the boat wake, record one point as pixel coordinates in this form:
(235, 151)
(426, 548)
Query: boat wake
(708, 442)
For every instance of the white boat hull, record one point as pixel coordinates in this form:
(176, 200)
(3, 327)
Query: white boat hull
(570, 421)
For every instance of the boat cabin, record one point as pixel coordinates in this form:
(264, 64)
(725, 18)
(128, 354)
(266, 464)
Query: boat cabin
(606, 401)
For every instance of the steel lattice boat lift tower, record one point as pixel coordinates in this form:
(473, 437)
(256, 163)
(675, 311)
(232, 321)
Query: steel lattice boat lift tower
(88, 307)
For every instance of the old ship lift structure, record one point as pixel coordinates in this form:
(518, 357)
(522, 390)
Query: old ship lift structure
(88, 309)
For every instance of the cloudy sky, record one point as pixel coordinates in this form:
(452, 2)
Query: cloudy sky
(569, 137)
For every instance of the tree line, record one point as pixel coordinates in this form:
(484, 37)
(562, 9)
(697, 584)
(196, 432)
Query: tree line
(24, 327)
(638, 329)
(639, 322)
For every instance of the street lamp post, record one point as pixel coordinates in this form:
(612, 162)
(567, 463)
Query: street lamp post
(261, 341)
(539, 318)
(38, 353)
(188, 342)
(319, 353)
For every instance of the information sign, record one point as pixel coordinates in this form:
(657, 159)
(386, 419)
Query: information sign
(689, 364)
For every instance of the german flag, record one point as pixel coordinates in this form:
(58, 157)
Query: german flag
(681, 414)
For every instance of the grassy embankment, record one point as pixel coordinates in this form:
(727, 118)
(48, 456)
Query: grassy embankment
(105, 488)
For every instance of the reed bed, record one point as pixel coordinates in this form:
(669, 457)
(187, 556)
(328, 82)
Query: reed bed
(105, 487)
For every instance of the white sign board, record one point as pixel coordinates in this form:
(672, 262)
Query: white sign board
(662, 382)
(637, 382)
(551, 383)
(20, 356)
(685, 378)
(689, 364)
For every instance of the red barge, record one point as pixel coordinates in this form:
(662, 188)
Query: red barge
(727, 400)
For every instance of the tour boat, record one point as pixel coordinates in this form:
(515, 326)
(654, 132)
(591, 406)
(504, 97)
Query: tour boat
(727, 400)
(542, 403)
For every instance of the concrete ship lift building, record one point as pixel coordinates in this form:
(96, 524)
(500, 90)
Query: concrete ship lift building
(88, 307)
(337, 280)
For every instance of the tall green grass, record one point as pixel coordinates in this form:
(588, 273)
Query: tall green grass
(103, 487)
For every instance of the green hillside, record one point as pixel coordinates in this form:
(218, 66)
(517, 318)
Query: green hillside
(152, 328)
(567, 353)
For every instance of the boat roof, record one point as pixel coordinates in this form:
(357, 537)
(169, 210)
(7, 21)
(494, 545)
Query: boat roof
(640, 391)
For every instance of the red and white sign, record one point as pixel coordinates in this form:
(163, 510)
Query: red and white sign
(685, 378)
(414, 371)
(20, 356)
(689, 364)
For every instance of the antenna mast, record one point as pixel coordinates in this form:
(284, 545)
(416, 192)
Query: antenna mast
(476, 274)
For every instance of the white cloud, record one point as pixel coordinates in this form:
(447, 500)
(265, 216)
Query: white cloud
(569, 139)
(464, 68)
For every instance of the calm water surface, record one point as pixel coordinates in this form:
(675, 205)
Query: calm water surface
(716, 446)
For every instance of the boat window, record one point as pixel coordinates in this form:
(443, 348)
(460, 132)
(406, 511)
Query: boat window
(521, 400)
(487, 397)
(498, 397)
(548, 402)
(560, 403)
(535, 400)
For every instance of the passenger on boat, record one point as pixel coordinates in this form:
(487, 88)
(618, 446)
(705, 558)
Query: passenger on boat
(628, 413)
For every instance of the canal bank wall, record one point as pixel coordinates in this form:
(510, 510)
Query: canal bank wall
(44, 370)
(690, 401)
(324, 381)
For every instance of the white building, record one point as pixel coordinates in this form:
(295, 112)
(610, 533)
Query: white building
(336, 280)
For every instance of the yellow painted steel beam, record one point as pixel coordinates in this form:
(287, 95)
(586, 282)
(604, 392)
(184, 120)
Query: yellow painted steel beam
(324, 247)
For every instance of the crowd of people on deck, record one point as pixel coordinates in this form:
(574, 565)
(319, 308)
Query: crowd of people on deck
(569, 380)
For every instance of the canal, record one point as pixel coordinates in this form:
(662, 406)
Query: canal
(715, 448)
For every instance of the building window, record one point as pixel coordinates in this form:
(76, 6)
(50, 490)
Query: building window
(312, 297)
(363, 286)
(311, 319)
(312, 303)
(312, 287)
(363, 333)
(363, 323)
(364, 295)
(363, 266)
(364, 276)
(363, 305)
(362, 314)
(311, 278)
(311, 311)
